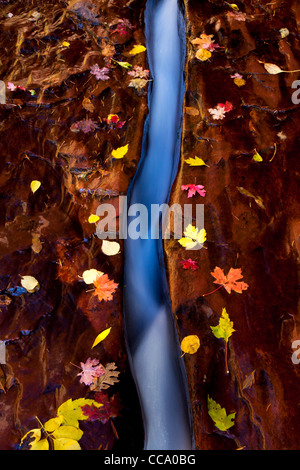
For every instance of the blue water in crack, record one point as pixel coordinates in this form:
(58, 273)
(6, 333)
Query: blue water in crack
(152, 342)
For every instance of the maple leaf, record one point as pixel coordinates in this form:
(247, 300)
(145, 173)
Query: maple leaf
(225, 327)
(114, 121)
(217, 113)
(107, 379)
(189, 264)
(227, 106)
(192, 189)
(193, 237)
(104, 288)
(139, 72)
(100, 74)
(110, 409)
(231, 281)
(86, 125)
(138, 83)
(91, 369)
(219, 415)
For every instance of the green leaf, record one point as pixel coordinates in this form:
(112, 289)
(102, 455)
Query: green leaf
(225, 327)
(125, 65)
(219, 415)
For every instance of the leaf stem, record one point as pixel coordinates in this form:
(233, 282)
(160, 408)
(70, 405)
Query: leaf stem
(226, 358)
(204, 295)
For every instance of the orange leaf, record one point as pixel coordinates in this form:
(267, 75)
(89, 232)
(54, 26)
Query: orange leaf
(104, 288)
(231, 281)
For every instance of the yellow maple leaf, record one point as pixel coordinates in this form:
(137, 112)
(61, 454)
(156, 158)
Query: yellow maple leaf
(193, 237)
(137, 49)
(120, 152)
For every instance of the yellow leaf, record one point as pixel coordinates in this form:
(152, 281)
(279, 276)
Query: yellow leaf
(93, 218)
(284, 32)
(234, 6)
(101, 337)
(257, 157)
(43, 444)
(190, 344)
(30, 283)
(66, 444)
(66, 44)
(68, 432)
(34, 185)
(193, 237)
(120, 152)
(110, 248)
(34, 434)
(191, 111)
(125, 65)
(239, 82)
(53, 423)
(196, 161)
(138, 83)
(137, 49)
(203, 54)
(71, 410)
(90, 275)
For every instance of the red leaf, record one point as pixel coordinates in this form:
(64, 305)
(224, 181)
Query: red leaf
(104, 288)
(189, 264)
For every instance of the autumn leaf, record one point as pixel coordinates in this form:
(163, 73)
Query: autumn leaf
(225, 327)
(125, 65)
(137, 49)
(71, 410)
(247, 193)
(193, 189)
(110, 409)
(193, 237)
(100, 74)
(257, 157)
(190, 344)
(93, 218)
(219, 416)
(91, 369)
(189, 264)
(91, 275)
(138, 83)
(231, 281)
(107, 379)
(101, 337)
(30, 283)
(35, 185)
(191, 111)
(203, 54)
(196, 161)
(274, 69)
(120, 152)
(88, 105)
(110, 248)
(104, 288)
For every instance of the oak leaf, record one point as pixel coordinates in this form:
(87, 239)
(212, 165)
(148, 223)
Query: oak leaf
(107, 379)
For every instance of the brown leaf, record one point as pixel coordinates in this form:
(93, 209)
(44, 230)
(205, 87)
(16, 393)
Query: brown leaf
(249, 380)
(88, 105)
(192, 111)
(107, 379)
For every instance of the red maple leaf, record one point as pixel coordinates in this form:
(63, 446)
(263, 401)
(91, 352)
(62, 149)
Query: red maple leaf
(189, 264)
(231, 281)
(105, 287)
(110, 408)
(227, 106)
(91, 369)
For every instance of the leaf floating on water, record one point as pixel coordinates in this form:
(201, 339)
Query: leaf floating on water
(203, 54)
(196, 161)
(137, 49)
(190, 344)
(225, 327)
(30, 283)
(274, 69)
(36, 244)
(193, 236)
(88, 105)
(191, 111)
(231, 281)
(219, 416)
(91, 275)
(125, 65)
(91, 370)
(284, 32)
(101, 337)
(120, 152)
(247, 193)
(257, 157)
(107, 379)
(110, 248)
(105, 288)
(93, 218)
(249, 380)
(35, 185)
(71, 411)
(138, 83)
